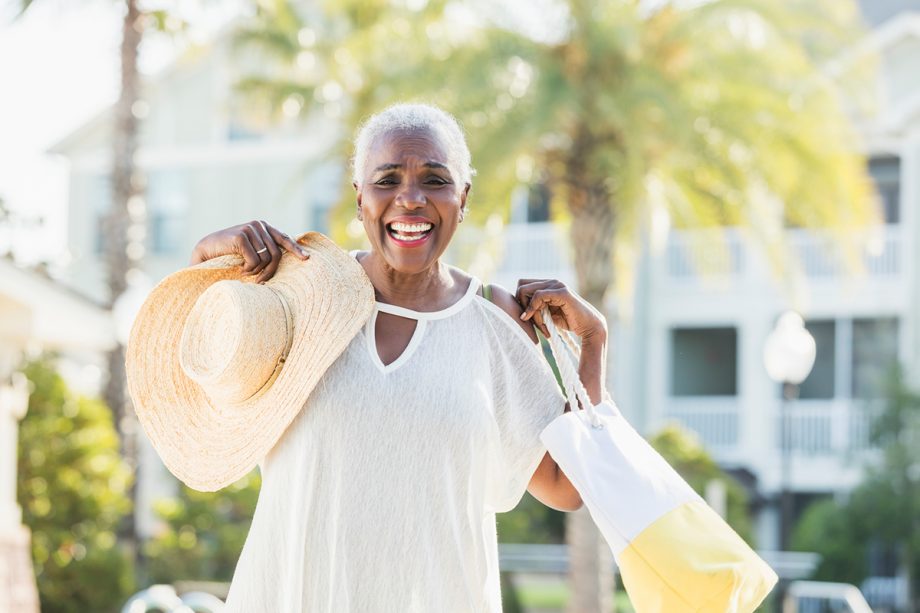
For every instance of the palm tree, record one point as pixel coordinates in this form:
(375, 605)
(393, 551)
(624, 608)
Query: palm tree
(720, 113)
(127, 186)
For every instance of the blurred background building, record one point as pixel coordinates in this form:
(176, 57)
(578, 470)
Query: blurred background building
(688, 345)
(36, 313)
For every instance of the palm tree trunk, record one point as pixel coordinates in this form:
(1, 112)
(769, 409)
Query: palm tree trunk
(118, 259)
(591, 578)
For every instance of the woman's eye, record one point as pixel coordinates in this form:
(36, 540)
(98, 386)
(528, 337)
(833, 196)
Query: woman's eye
(436, 181)
(386, 181)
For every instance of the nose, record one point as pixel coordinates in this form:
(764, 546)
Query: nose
(411, 196)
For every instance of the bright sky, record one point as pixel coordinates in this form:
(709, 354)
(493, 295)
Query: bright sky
(49, 56)
(59, 68)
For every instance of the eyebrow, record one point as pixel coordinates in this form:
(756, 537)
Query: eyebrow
(429, 164)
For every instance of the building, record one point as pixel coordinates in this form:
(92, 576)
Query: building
(691, 350)
(35, 314)
(209, 162)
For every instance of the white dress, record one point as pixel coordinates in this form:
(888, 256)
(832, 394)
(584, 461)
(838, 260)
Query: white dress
(381, 496)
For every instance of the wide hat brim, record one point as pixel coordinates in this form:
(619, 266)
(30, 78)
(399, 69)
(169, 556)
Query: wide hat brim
(209, 445)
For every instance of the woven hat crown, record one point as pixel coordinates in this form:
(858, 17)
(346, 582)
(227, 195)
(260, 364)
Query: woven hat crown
(218, 366)
(235, 340)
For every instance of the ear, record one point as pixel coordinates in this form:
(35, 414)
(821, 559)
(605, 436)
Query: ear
(463, 197)
(358, 199)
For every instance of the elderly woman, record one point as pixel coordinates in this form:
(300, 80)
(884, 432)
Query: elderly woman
(381, 496)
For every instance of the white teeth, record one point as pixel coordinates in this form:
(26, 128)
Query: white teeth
(410, 227)
(403, 237)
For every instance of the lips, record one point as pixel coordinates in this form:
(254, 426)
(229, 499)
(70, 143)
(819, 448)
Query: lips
(409, 232)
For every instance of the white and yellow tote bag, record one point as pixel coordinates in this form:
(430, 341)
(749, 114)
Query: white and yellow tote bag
(675, 554)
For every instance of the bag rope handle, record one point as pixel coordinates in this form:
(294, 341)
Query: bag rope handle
(575, 389)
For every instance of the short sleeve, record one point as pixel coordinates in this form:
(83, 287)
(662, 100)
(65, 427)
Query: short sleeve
(525, 399)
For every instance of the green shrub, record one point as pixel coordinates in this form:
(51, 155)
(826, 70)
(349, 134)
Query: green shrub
(204, 534)
(689, 458)
(73, 488)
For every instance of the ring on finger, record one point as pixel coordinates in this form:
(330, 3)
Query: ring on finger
(262, 250)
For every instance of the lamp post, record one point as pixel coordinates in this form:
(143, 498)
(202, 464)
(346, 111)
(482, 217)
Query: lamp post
(789, 355)
(124, 311)
(17, 583)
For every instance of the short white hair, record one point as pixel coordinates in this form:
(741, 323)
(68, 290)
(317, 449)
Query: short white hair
(414, 117)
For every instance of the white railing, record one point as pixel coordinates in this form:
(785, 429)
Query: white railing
(813, 427)
(826, 427)
(821, 254)
(714, 420)
(718, 252)
(816, 596)
(542, 250)
(535, 250)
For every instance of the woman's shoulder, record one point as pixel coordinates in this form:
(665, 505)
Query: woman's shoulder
(505, 301)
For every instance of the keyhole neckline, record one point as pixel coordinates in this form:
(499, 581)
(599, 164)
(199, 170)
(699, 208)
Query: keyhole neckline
(421, 323)
(423, 315)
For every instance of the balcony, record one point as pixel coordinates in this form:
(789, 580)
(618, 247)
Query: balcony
(692, 255)
(814, 428)
(827, 427)
(715, 420)
(534, 251)
(724, 256)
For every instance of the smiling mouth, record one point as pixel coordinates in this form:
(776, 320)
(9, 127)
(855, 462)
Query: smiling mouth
(409, 234)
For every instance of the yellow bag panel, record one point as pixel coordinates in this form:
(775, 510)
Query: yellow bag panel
(690, 560)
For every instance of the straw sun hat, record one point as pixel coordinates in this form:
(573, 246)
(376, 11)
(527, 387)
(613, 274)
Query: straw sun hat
(218, 366)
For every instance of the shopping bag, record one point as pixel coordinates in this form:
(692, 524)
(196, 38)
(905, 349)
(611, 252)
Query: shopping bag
(675, 554)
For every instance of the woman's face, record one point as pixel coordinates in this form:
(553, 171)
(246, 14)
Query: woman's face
(410, 199)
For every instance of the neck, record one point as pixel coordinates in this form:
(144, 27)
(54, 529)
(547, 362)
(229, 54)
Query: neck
(415, 290)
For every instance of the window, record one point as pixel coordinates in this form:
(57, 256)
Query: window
(319, 216)
(100, 202)
(538, 197)
(322, 189)
(530, 203)
(246, 119)
(886, 174)
(167, 201)
(875, 351)
(820, 383)
(704, 361)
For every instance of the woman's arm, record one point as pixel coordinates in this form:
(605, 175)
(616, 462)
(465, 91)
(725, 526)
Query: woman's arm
(548, 483)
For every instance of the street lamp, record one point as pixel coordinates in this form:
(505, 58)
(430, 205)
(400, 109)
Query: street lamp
(124, 311)
(789, 355)
(17, 581)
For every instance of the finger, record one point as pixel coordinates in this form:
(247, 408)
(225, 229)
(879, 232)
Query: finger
(541, 298)
(526, 281)
(526, 290)
(273, 251)
(287, 242)
(531, 285)
(258, 243)
(250, 259)
(538, 321)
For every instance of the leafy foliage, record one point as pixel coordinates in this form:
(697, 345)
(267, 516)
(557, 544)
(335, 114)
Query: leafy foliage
(883, 512)
(204, 534)
(694, 464)
(531, 522)
(73, 489)
(719, 113)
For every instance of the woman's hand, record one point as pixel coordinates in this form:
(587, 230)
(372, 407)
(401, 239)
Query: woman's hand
(568, 310)
(259, 243)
